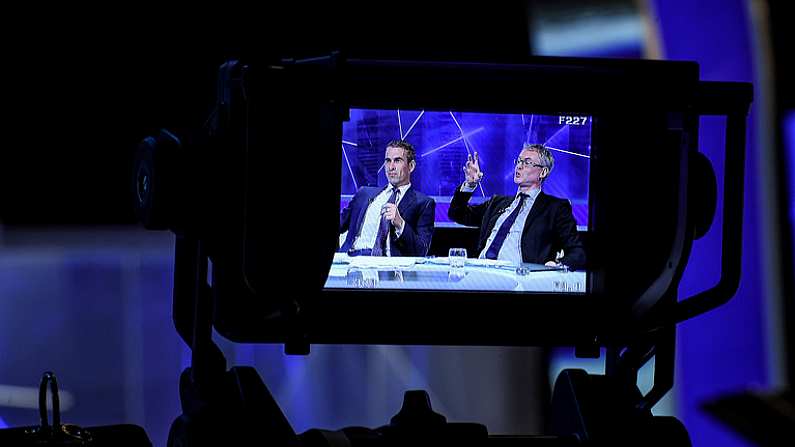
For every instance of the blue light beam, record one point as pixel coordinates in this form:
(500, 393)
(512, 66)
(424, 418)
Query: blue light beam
(412, 125)
(468, 134)
(555, 135)
(567, 152)
(466, 146)
(348, 162)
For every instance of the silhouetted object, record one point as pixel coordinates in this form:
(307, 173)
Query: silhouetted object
(765, 418)
(57, 434)
(605, 410)
(416, 423)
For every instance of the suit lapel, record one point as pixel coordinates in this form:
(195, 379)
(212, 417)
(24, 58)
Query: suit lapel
(407, 201)
(541, 202)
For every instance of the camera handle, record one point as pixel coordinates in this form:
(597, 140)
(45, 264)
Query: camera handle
(731, 100)
(219, 407)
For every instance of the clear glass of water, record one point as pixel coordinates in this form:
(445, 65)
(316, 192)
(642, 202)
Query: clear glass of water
(458, 257)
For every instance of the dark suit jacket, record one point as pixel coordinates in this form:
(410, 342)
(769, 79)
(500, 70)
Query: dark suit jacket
(549, 228)
(417, 210)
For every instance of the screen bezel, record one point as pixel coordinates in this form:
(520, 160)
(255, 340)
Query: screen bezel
(424, 317)
(436, 304)
(507, 152)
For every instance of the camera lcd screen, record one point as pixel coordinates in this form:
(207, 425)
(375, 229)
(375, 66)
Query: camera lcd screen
(463, 201)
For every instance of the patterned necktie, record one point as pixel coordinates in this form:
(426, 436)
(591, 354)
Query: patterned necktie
(383, 229)
(502, 233)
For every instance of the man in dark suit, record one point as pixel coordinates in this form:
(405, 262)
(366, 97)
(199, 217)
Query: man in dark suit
(529, 227)
(392, 221)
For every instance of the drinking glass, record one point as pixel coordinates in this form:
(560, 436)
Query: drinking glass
(458, 257)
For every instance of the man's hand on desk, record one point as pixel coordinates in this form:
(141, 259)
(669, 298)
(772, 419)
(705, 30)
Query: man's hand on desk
(558, 264)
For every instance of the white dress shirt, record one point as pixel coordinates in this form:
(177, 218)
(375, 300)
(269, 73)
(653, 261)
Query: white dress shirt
(511, 249)
(372, 219)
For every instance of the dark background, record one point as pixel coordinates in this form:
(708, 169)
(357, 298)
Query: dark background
(86, 85)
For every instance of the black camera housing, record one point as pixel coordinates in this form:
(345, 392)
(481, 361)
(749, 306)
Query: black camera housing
(271, 237)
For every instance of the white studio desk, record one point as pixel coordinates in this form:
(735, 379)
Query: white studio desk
(376, 272)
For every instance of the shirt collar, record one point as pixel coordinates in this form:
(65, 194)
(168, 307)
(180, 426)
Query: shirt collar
(402, 189)
(533, 193)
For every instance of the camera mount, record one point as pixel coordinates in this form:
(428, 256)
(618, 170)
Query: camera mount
(221, 405)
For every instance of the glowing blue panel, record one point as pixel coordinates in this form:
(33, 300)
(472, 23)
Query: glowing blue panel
(443, 141)
(789, 157)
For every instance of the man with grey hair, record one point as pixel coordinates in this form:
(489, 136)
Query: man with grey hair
(531, 226)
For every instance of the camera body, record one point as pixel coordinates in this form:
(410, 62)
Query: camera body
(260, 186)
(255, 199)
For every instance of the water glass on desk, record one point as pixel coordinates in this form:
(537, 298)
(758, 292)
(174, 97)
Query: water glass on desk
(458, 257)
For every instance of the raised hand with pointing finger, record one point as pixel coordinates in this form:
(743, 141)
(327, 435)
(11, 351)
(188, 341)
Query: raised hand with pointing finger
(472, 170)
